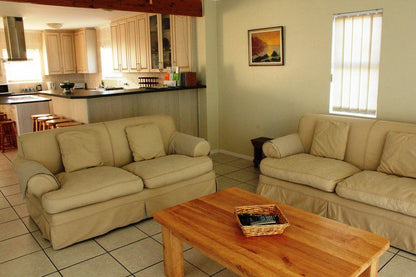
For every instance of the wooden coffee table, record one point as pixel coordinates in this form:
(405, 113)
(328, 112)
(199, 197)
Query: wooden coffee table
(310, 246)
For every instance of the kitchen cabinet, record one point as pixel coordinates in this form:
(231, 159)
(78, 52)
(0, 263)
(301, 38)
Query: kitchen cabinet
(182, 54)
(160, 42)
(120, 45)
(59, 52)
(86, 50)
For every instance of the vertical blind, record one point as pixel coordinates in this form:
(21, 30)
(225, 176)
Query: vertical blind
(355, 63)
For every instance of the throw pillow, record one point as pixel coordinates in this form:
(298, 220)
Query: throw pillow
(145, 142)
(330, 139)
(399, 155)
(79, 150)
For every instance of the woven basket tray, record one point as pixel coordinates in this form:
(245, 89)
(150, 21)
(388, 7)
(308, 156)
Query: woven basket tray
(262, 230)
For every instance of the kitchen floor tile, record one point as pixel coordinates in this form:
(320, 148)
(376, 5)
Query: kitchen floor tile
(221, 169)
(222, 158)
(399, 266)
(225, 273)
(17, 246)
(384, 259)
(150, 227)
(21, 210)
(30, 224)
(158, 237)
(103, 265)
(74, 254)
(11, 154)
(243, 175)
(8, 181)
(55, 274)
(16, 199)
(3, 202)
(35, 264)
(7, 214)
(10, 190)
(407, 255)
(12, 229)
(205, 264)
(139, 255)
(120, 237)
(43, 242)
(157, 270)
(393, 249)
(241, 163)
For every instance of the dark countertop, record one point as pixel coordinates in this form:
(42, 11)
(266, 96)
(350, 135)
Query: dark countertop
(81, 93)
(21, 99)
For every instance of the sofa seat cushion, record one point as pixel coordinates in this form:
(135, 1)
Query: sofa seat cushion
(90, 186)
(385, 191)
(306, 169)
(169, 169)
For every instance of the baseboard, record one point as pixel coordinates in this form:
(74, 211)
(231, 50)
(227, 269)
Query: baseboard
(241, 156)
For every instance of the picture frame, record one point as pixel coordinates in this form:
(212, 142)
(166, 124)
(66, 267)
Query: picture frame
(265, 46)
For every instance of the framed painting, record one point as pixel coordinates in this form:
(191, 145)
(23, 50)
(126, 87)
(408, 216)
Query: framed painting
(265, 46)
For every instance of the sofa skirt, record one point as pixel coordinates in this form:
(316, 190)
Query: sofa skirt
(397, 227)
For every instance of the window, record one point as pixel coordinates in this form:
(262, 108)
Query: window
(107, 64)
(24, 71)
(356, 39)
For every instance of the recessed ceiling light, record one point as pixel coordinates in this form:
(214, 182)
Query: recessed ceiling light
(54, 25)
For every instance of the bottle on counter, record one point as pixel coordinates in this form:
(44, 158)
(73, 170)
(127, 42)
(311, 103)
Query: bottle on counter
(102, 84)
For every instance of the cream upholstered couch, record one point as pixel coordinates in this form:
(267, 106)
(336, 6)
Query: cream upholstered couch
(353, 190)
(71, 207)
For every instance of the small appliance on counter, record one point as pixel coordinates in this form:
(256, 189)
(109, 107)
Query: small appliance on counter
(4, 90)
(67, 86)
(80, 86)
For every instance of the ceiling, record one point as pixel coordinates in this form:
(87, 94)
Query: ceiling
(36, 16)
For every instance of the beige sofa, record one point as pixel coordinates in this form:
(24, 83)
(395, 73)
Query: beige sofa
(354, 190)
(71, 207)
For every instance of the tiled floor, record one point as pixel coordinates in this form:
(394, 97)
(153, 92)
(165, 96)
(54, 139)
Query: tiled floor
(135, 250)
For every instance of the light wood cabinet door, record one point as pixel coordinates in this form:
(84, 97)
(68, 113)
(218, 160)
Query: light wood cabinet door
(81, 52)
(122, 46)
(68, 53)
(182, 56)
(114, 45)
(143, 42)
(52, 53)
(133, 59)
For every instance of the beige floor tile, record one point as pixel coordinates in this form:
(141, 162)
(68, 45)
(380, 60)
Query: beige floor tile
(8, 181)
(393, 249)
(11, 154)
(74, 254)
(222, 158)
(225, 182)
(55, 274)
(202, 262)
(384, 259)
(8, 172)
(30, 224)
(16, 247)
(157, 270)
(103, 265)
(254, 182)
(149, 226)
(21, 210)
(399, 266)
(16, 199)
(7, 214)
(10, 190)
(158, 237)
(240, 163)
(43, 242)
(139, 255)
(247, 187)
(12, 229)
(120, 237)
(243, 175)
(35, 264)
(407, 255)
(221, 169)
(3, 202)
(225, 273)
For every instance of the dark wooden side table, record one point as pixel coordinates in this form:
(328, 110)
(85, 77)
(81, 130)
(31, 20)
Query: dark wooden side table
(258, 151)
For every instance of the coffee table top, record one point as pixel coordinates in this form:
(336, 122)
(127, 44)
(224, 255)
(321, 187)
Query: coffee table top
(310, 246)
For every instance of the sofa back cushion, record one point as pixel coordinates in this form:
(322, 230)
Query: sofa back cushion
(358, 135)
(43, 147)
(145, 142)
(119, 143)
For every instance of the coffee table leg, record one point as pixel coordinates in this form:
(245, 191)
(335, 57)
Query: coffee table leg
(371, 271)
(172, 253)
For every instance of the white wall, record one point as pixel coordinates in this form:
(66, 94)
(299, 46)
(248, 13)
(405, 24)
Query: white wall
(269, 100)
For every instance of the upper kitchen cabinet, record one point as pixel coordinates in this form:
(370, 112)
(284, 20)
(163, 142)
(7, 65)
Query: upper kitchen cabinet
(86, 50)
(59, 52)
(129, 38)
(182, 54)
(160, 42)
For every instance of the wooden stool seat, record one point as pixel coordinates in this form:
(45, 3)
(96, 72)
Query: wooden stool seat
(3, 116)
(40, 122)
(51, 124)
(68, 124)
(8, 133)
(35, 117)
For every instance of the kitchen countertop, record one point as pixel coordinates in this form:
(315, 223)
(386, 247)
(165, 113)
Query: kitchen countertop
(93, 93)
(21, 99)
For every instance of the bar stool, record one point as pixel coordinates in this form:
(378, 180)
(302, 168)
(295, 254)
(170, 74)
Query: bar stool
(51, 124)
(40, 122)
(68, 124)
(3, 116)
(34, 118)
(8, 135)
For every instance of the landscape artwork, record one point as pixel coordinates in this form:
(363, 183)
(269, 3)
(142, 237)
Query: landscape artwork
(266, 46)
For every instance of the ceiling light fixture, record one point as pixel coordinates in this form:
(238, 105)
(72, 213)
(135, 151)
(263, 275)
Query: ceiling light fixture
(54, 25)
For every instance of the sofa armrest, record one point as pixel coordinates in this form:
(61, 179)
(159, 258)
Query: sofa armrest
(283, 146)
(188, 145)
(34, 178)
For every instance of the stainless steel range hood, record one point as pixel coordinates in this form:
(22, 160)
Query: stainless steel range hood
(15, 38)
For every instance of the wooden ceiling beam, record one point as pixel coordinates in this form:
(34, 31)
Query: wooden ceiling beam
(178, 7)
